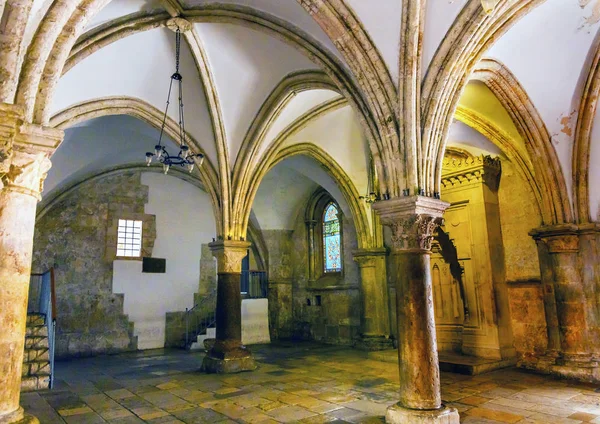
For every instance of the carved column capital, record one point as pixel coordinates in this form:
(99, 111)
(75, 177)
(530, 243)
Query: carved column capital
(412, 220)
(11, 117)
(25, 153)
(558, 238)
(229, 254)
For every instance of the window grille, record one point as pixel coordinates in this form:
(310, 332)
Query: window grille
(129, 243)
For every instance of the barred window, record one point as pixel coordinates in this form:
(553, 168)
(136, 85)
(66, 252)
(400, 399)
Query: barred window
(129, 242)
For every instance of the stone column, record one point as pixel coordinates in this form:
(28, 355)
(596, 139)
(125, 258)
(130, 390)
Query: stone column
(375, 325)
(228, 355)
(412, 221)
(24, 162)
(570, 302)
(310, 231)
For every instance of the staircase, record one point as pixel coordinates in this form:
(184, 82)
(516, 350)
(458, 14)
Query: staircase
(36, 373)
(211, 333)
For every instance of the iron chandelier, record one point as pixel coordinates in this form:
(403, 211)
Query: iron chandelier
(185, 157)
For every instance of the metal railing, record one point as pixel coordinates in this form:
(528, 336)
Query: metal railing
(200, 318)
(42, 300)
(254, 284)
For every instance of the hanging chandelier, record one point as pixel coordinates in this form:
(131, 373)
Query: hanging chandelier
(185, 157)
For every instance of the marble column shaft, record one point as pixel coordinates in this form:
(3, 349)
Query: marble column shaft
(24, 163)
(228, 355)
(413, 221)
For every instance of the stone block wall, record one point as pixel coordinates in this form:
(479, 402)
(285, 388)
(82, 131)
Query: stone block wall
(333, 315)
(519, 215)
(72, 236)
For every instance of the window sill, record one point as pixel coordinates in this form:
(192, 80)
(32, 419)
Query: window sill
(330, 281)
(128, 258)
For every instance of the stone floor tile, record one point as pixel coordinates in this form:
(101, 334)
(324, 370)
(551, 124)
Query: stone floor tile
(490, 414)
(289, 413)
(582, 416)
(553, 419)
(88, 418)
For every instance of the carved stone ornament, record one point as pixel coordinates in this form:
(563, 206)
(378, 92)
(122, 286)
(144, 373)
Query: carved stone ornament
(414, 232)
(229, 254)
(26, 173)
(179, 23)
(412, 220)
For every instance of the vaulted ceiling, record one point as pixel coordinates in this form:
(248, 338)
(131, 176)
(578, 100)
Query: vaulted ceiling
(262, 75)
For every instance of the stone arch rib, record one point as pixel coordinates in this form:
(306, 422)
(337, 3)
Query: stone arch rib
(530, 125)
(503, 141)
(269, 112)
(341, 25)
(137, 108)
(335, 171)
(471, 34)
(583, 141)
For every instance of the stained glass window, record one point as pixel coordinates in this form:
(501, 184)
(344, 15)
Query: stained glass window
(331, 240)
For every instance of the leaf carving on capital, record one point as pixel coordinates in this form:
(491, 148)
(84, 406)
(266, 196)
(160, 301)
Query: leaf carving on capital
(26, 171)
(414, 232)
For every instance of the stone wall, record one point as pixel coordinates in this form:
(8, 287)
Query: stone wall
(518, 216)
(333, 315)
(72, 238)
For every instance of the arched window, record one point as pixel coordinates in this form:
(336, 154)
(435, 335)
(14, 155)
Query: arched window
(332, 251)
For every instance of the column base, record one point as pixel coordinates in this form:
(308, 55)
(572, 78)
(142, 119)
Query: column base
(19, 417)
(228, 357)
(374, 343)
(582, 367)
(397, 414)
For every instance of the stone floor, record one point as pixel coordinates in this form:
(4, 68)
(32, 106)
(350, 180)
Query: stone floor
(305, 383)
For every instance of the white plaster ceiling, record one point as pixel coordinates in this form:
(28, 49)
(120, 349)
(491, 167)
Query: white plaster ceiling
(339, 134)
(281, 194)
(546, 51)
(118, 8)
(284, 191)
(100, 144)
(127, 68)
(382, 20)
(254, 64)
(464, 137)
(299, 104)
(287, 10)
(439, 17)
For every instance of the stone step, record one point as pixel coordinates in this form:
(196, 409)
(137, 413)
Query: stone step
(40, 330)
(211, 333)
(35, 382)
(36, 354)
(36, 368)
(453, 362)
(36, 320)
(36, 342)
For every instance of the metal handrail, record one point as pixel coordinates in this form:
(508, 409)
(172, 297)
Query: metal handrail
(197, 320)
(43, 302)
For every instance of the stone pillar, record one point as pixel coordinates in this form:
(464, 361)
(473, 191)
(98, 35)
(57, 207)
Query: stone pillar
(375, 325)
(310, 231)
(24, 162)
(412, 221)
(570, 302)
(228, 355)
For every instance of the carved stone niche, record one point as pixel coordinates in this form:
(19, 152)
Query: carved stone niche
(461, 168)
